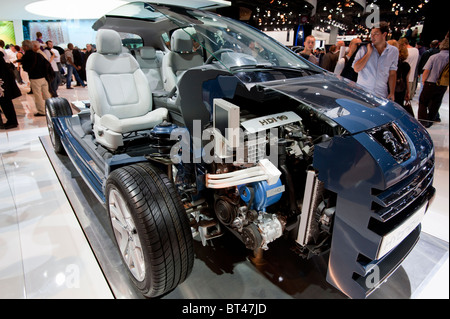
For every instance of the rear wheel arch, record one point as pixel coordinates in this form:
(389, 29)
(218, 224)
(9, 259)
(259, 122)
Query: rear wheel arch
(56, 107)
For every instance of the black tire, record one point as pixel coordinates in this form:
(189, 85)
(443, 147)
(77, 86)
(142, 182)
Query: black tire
(161, 241)
(56, 107)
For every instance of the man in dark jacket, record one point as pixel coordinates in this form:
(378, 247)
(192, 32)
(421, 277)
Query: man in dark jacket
(433, 92)
(434, 48)
(35, 64)
(8, 92)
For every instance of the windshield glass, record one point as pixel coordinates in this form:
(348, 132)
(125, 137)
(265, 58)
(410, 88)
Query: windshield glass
(235, 44)
(225, 41)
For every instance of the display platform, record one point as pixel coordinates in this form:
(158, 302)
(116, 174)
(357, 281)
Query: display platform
(223, 268)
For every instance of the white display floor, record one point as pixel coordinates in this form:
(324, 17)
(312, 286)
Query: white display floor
(44, 252)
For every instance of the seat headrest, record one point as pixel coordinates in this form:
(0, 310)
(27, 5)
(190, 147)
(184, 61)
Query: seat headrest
(108, 42)
(147, 53)
(181, 41)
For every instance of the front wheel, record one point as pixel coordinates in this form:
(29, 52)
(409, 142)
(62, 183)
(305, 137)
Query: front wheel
(151, 228)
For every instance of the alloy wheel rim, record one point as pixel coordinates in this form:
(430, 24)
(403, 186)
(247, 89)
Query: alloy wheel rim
(126, 235)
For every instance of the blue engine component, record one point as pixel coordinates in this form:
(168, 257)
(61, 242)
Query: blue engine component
(264, 194)
(164, 128)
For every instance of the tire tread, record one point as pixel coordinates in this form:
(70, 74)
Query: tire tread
(167, 232)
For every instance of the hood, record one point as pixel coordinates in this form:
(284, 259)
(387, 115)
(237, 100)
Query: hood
(340, 100)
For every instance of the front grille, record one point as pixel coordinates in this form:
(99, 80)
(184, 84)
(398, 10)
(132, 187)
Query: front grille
(394, 205)
(391, 201)
(392, 139)
(383, 227)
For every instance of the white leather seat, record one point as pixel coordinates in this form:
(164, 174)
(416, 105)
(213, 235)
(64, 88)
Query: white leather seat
(181, 58)
(150, 62)
(119, 93)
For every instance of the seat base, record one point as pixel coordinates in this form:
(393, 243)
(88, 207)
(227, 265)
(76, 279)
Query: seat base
(108, 129)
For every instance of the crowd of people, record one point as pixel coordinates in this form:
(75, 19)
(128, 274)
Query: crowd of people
(391, 65)
(41, 66)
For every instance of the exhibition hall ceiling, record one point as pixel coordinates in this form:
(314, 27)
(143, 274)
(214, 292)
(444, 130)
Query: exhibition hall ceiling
(345, 13)
(350, 14)
(80, 9)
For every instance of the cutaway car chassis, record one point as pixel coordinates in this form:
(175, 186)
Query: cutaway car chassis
(353, 186)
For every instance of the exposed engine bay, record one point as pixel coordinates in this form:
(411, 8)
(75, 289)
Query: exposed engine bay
(259, 183)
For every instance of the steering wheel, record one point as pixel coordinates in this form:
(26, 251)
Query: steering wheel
(212, 57)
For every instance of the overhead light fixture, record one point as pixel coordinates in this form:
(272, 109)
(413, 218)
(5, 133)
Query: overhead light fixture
(79, 9)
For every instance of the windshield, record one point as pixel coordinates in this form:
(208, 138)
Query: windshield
(224, 41)
(236, 45)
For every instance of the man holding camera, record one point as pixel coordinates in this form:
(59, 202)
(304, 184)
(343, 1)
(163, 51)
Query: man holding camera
(376, 64)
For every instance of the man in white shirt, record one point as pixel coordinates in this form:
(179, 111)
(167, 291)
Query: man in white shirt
(376, 64)
(71, 68)
(412, 59)
(11, 53)
(52, 56)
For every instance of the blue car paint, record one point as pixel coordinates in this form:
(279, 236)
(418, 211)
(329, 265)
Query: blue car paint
(90, 172)
(325, 92)
(360, 118)
(79, 157)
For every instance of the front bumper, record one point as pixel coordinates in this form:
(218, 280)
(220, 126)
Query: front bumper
(360, 268)
(380, 204)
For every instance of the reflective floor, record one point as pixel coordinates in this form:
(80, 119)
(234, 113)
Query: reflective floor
(46, 219)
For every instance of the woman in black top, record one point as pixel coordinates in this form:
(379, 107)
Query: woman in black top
(402, 87)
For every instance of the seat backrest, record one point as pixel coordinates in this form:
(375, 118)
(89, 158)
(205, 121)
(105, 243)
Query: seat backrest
(150, 61)
(181, 58)
(117, 85)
